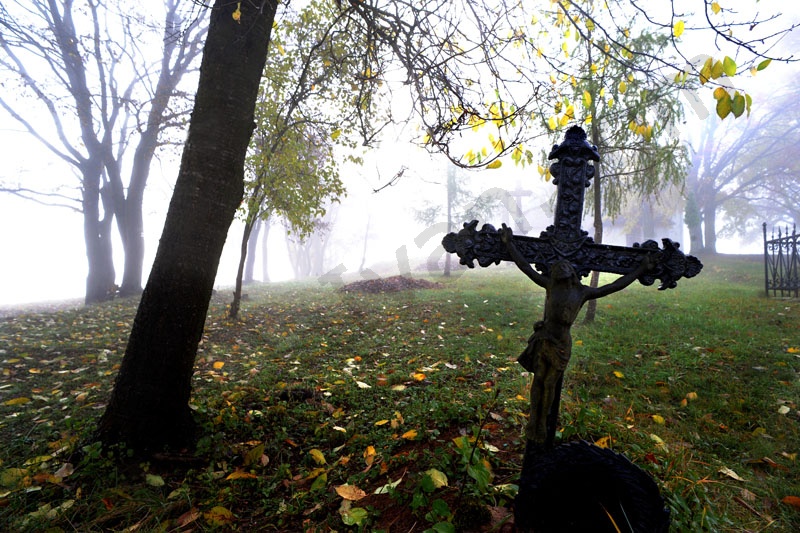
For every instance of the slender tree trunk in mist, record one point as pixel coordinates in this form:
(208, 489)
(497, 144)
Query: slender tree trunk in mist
(149, 405)
(451, 198)
(264, 250)
(252, 242)
(591, 306)
(364, 248)
(247, 235)
(710, 227)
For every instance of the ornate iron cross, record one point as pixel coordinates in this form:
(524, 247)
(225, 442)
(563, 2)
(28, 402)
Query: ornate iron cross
(565, 240)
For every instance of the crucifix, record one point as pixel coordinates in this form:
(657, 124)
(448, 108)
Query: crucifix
(557, 260)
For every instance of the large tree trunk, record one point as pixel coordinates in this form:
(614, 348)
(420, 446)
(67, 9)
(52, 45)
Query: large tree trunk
(149, 405)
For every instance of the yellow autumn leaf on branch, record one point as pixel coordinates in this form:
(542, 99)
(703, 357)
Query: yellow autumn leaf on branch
(677, 30)
(495, 164)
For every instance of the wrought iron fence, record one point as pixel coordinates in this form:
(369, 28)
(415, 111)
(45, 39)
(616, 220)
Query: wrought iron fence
(781, 263)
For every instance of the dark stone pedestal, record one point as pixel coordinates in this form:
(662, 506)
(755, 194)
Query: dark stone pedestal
(579, 487)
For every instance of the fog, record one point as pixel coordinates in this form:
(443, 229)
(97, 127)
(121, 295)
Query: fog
(42, 251)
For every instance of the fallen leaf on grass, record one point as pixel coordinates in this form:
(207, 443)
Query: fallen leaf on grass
(369, 455)
(389, 486)
(619, 374)
(748, 496)
(188, 517)
(318, 456)
(411, 434)
(439, 478)
(354, 516)
(794, 501)
(350, 492)
(241, 474)
(658, 419)
(659, 442)
(17, 401)
(66, 470)
(603, 442)
(730, 473)
(154, 480)
(219, 516)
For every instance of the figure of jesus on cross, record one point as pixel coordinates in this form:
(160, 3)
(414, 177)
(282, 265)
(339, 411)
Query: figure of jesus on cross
(550, 347)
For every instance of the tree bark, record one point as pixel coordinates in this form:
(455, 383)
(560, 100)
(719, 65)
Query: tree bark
(149, 405)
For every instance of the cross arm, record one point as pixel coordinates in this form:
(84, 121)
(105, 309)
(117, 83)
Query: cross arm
(485, 246)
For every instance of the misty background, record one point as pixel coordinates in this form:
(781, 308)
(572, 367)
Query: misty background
(369, 233)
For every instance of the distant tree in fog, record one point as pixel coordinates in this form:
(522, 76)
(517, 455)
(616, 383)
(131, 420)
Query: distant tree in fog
(743, 173)
(82, 83)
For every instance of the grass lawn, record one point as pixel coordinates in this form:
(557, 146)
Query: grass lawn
(322, 410)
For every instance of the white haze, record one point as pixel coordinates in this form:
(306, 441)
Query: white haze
(42, 252)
